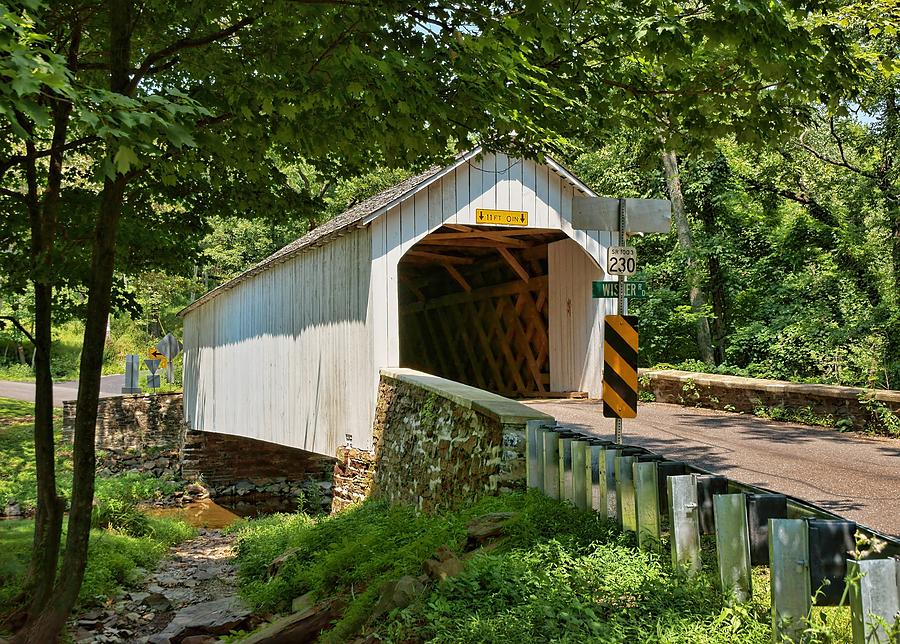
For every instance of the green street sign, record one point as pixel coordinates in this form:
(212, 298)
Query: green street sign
(611, 289)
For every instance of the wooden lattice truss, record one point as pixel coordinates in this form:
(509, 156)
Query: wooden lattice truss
(475, 308)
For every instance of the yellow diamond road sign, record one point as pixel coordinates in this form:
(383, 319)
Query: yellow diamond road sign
(501, 217)
(156, 355)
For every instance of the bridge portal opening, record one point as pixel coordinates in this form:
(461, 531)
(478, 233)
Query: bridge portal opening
(477, 305)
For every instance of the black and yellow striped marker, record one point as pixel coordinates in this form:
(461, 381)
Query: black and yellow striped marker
(620, 379)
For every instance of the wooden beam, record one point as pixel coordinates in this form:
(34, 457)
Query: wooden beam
(408, 283)
(466, 339)
(455, 274)
(459, 227)
(441, 259)
(496, 327)
(509, 288)
(514, 263)
(466, 239)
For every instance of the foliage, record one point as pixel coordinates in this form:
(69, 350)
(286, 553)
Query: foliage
(113, 557)
(883, 420)
(17, 467)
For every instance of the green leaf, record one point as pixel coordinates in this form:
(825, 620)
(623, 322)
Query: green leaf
(125, 159)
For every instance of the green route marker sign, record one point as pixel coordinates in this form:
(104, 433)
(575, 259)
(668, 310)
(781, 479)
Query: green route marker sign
(611, 289)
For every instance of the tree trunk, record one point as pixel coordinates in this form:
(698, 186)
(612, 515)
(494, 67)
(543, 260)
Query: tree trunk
(716, 279)
(49, 624)
(685, 241)
(51, 621)
(48, 516)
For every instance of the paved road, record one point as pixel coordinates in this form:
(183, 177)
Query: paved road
(109, 386)
(849, 474)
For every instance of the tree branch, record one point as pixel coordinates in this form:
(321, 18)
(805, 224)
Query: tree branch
(21, 158)
(18, 325)
(180, 45)
(12, 194)
(843, 163)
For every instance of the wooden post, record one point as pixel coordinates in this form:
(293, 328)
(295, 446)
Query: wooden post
(646, 493)
(733, 546)
(684, 524)
(789, 565)
(625, 508)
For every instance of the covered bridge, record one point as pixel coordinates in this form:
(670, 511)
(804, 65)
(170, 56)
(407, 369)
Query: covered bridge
(472, 272)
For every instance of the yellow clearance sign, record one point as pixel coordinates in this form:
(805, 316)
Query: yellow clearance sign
(501, 217)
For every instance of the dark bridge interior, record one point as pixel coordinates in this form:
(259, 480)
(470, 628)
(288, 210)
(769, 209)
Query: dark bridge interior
(474, 307)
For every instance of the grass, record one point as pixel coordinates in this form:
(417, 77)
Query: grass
(124, 540)
(559, 575)
(17, 469)
(126, 336)
(114, 559)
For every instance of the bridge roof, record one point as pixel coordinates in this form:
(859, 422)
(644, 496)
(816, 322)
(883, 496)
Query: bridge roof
(360, 215)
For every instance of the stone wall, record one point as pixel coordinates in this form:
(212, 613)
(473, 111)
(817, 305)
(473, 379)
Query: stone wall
(437, 444)
(135, 422)
(223, 462)
(749, 395)
(147, 433)
(352, 477)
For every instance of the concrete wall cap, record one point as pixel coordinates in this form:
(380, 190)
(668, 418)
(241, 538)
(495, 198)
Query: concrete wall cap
(508, 412)
(771, 386)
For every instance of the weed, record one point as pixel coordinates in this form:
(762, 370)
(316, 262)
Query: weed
(883, 420)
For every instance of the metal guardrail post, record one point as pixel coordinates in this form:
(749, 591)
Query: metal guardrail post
(760, 509)
(789, 566)
(874, 599)
(581, 450)
(733, 546)
(646, 493)
(565, 466)
(684, 525)
(609, 502)
(551, 464)
(533, 453)
(592, 475)
(625, 507)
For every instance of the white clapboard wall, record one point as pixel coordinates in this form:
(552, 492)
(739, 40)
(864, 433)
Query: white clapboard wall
(291, 355)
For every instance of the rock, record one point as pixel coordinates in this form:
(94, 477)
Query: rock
(487, 527)
(280, 560)
(197, 490)
(200, 639)
(302, 603)
(137, 575)
(398, 594)
(206, 575)
(444, 565)
(216, 617)
(13, 509)
(298, 627)
(138, 597)
(156, 601)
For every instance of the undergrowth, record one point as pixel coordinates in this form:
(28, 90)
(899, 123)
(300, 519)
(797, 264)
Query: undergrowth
(124, 540)
(559, 575)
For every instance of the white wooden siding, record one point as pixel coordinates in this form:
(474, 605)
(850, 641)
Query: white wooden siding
(291, 355)
(576, 320)
(286, 357)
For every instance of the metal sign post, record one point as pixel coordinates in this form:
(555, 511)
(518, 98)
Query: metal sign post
(620, 296)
